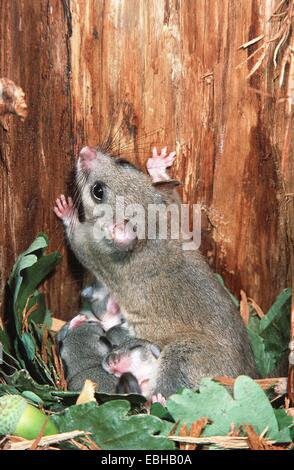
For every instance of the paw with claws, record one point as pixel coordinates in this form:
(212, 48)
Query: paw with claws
(157, 165)
(65, 210)
(158, 399)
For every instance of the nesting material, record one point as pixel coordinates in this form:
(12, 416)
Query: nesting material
(88, 393)
(12, 101)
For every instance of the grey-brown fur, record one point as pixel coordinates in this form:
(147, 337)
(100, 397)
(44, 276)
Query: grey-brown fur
(167, 295)
(118, 334)
(82, 350)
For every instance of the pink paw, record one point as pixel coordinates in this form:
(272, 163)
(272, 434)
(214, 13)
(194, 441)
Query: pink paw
(113, 367)
(112, 317)
(77, 321)
(65, 209)
(157, 164)
(117, 364)
(113, 309)
(158, 399)
(155, 399)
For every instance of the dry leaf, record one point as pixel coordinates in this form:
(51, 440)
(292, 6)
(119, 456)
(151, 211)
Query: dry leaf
(244, 307)
(79, 445)
(198, 426)
(88, 393)
(263, 383)
(12, 101)
(183, 433)
(44, 354)
(46, 441)
(174, 428)
(226, 442)
(57, 324)
(234, 432)
(195, 431)
(257, 442)
(256, 307)
(91, 443)
(58, 368)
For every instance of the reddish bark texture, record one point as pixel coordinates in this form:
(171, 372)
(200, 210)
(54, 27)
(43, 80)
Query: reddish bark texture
(168, 67)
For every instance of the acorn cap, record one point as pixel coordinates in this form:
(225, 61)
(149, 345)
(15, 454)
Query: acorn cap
(20, 418)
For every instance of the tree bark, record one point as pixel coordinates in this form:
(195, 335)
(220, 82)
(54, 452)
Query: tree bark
(161, 72)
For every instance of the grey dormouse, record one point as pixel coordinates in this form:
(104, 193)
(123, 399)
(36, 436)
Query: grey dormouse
(137, 357)
(167, 295)
(83, 349)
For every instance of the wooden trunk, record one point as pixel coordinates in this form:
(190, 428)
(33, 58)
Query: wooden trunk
(150, 72)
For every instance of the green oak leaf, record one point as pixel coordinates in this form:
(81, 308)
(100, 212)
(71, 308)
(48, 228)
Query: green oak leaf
(112, 428)
(29, 345)
(248, 405)
(30, 269)
(265, 360)
(275, 325)
(269, 336)
(22, 381)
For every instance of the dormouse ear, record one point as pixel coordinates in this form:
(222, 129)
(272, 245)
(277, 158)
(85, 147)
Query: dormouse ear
(167, 185)
(168, 189)
(61, 335)
(88, 292)
(122, 162)
(105, 344)
(155, 350)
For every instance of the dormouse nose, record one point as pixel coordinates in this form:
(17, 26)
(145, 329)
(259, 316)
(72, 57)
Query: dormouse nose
(87, 158)
(88, 153)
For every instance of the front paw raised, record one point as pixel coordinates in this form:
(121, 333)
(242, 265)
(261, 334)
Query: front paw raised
(65, 210)
(157, 165)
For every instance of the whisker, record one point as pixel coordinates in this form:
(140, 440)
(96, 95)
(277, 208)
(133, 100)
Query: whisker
(77, 197)
(114, 139)
(106, 141)
(137, 140)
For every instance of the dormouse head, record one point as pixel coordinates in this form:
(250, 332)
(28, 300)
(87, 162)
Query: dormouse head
(115, 196)
(84, 341)
(137, 356)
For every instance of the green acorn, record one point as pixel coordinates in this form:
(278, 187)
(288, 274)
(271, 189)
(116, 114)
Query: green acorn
(20, 418)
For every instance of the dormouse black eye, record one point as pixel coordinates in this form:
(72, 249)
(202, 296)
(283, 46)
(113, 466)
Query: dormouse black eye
(105, 342)
(136, 346)
(97, 191)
